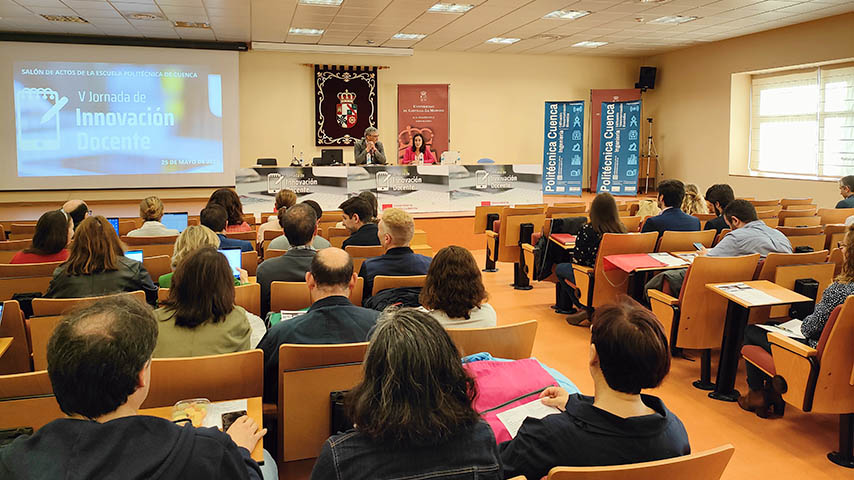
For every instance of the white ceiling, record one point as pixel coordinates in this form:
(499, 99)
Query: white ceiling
(360, 22)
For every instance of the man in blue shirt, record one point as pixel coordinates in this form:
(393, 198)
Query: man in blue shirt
(670, 195)
(214, 217)
(846, 189)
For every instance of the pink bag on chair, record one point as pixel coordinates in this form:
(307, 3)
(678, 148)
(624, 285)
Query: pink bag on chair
(504, 385)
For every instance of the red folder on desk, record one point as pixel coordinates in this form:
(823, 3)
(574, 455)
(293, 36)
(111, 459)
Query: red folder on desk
(564, 238)
(630, 262)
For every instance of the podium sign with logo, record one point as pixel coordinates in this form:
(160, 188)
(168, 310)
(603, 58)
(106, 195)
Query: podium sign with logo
(619, 148)
(563, 153)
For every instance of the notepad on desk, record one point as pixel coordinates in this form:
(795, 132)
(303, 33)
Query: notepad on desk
(791, 329)
(748, 294)
(513, 418)
(669, 260)
(564, 238)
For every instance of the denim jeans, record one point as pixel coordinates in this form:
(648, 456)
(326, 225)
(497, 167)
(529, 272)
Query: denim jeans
(566, 299)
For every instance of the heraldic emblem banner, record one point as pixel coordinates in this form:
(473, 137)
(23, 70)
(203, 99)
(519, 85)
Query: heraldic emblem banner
(345, 103)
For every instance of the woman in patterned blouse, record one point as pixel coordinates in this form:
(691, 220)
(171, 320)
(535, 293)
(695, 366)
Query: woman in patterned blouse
(604, 218)
(764, 395)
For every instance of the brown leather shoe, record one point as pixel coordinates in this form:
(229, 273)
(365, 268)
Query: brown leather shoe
(579, 319)
(753, 401)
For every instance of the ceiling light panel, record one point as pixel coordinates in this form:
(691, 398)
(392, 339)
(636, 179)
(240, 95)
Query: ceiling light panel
(450, 8)
(672, 20)
(588, 44)
(325, 3)
(567, 14)
(408, 36)
(306, 31)
(503, 40)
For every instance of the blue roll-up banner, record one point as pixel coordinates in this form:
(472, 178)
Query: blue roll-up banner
(619, 148)
(562, 150)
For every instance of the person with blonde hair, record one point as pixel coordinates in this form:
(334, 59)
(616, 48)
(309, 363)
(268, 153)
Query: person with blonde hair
(285, 199)
(394, 231)
(151, 211)
(766, 395)
(190, 240)
(694, 201)
(96, 266)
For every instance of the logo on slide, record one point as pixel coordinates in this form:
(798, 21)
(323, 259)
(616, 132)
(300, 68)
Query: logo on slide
(37, 115)
(481, 179)
(346, 109)
(383, 181)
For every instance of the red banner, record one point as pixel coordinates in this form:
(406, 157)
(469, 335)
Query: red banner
(422, 109)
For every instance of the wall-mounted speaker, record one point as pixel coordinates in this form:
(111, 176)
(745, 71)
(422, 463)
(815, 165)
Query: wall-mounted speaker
(646, 79)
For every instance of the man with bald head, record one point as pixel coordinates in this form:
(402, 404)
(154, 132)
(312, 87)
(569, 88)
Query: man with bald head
(77, 210)
(331, 318)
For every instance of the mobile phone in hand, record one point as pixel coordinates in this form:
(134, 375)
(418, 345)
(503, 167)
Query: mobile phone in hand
(230, 417)
(699, 246)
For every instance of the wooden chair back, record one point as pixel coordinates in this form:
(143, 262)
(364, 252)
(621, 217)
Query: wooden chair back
(672, 241)
(41, 328)
(272, 234)
(229, 376)
(361, 251)
(797, 231)
(2, 233)
(157, 266)
(608, 285)
(26, 400)
(816, 242)
(17, 356)
(296, 296)
(273, 253)
(801, 221)
(833, 235)
(768, 212)
(337, 235)
(57, 306)
(514, 341)
(161, 240)
(772, 222)
(704, 217)
(249, 262)
(247, 296)
(834, 215)
(763, 203)
(723, 233)
(249, 218)
(22, 230)
(9, 248)
(425, 250)
(383, 282)
(631, 223)
(329, 219)
(126, 225)
(786, 202)
(786, 275)
(308, 374)
(774, 260)
(25, 277)
(834, 387)
(836, 257)
(565, 208)
(707, 465)
(249, 236)
(508, 236)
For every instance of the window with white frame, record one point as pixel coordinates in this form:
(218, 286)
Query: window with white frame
(802, 122)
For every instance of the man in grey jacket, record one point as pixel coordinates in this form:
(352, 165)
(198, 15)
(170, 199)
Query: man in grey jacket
(369, 150)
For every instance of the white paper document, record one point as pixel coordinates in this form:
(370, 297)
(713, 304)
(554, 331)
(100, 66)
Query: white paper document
(215, 411)
(688, 257)
(749, 294)
(668, 259)
(791, 329)
(513, 418)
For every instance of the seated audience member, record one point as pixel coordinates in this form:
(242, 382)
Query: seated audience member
(192, 238)
(372, 201)
(670, 195)
(419, 152)
(395, 230)
(99, 363)
(215, 218)
(412, 411)
(648, 207)
(97, 266)
(77, 210)
(285, 199)
(454, 293)
(763, 393)
(330, 319)
(151, 211)
(53, 234)
(846, 189)
(718, 196)
(357, 219)
(618, 425)
(200, 317)
(230, 201)
(749, 235)
(604, 218)
(300, 225)
(319, 243)
(694, 201)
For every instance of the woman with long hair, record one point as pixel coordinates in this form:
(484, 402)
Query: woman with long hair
(412, 410)
(694, 201)
(454, 293)
(53, 234)
(418, 153)
(200, 317)
(604, 218)
(191, 239)
(230, 201)
(285, 199)
(151, 211)
(765, 396)
(97, 266)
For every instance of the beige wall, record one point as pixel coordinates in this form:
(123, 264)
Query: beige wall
(691, 102)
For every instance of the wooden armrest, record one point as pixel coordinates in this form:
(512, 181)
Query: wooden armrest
(528, 247)
(491, 234)
(661, 297)
(582, 269)
(791, 345)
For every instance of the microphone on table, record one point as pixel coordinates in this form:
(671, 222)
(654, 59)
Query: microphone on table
(295, 161)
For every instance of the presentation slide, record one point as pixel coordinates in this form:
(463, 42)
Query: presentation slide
(129, 123)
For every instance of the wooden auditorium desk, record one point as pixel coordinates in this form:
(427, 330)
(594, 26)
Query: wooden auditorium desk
(4, 344)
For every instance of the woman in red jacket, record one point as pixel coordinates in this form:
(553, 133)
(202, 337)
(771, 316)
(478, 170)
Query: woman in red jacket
(53, 234)
(419, 153)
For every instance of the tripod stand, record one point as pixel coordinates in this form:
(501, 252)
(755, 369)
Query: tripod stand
(651, 153)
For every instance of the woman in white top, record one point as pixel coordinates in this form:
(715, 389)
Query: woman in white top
(454, 293)
(151, 211)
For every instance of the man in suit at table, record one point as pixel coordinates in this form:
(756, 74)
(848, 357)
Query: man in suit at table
(330, 319)
(300, 224)
(670, 195)
(369, 150)
(99, 363)
(395, 231)
(215, 217)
